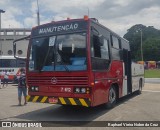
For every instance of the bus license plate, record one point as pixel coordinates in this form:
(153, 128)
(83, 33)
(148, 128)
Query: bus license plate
(53, 100)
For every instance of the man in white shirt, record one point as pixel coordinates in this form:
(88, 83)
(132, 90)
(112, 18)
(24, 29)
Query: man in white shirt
(6, 77)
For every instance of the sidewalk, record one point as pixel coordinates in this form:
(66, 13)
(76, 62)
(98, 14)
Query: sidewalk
(151, 87)
(152, 80)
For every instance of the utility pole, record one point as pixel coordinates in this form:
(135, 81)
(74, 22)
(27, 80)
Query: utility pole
(1, 11)
(141, 46)
(38, 18)
(88, 11)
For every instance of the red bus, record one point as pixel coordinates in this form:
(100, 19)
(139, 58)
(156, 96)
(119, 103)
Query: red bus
(79, 62)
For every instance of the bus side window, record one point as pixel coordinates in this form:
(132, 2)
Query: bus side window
(116, 47)
(96, 46)
(100, 47)
(105, 49)
(115, 42)
(100, 52)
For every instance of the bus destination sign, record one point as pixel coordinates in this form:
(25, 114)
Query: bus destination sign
(56, 28)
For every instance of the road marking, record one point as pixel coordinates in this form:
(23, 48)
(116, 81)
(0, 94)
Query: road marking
(151, 91)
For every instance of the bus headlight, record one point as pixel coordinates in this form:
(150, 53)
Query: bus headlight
(81, 90)
(34, 89)
(77, 90)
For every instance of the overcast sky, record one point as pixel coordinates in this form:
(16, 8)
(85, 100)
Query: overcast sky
(118, 15)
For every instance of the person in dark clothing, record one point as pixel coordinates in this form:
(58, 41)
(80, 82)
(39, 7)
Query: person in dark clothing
(22, 87)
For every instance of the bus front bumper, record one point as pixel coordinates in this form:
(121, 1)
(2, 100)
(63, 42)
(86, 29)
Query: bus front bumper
(86, 102)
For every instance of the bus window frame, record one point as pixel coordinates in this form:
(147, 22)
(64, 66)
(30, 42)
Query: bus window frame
(100, 37)
(76, 32)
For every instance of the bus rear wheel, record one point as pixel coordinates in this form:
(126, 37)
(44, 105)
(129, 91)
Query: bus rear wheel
(112, 97)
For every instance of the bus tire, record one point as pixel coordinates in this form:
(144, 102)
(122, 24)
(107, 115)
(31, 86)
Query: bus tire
(140, 87)
(112, 97)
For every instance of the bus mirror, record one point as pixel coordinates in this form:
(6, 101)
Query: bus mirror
(16, 43)
(101, 40)
(14, 48)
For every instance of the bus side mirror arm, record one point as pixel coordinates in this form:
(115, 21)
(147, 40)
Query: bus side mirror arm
(15, 46)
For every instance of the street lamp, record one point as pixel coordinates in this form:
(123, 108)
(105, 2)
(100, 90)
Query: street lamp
(1, 11)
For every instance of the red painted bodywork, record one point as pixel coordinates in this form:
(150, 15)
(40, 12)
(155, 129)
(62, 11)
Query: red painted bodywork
(99, 82)
(104, 80)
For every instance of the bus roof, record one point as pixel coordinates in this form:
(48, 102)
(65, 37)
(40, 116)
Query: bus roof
(67, 26)
(7, 57)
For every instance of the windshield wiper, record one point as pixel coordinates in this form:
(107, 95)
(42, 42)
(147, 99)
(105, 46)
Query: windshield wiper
(62, 63)
(55, 54)
(44, 62)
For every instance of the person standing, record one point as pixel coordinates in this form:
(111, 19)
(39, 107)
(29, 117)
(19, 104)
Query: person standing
(22, 88)
(6, 77)
(1, 80)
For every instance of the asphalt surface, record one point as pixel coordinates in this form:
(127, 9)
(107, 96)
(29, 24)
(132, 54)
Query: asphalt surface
(144, 107)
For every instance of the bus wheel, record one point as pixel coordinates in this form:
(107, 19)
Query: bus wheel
(140, 87)
(112, 96)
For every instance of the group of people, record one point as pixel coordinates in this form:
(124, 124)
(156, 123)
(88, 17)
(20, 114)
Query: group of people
(22, 89)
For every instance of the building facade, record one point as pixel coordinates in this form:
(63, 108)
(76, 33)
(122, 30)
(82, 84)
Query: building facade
(8, 35)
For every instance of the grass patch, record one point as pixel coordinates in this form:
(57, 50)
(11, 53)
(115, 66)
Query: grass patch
(152, 73)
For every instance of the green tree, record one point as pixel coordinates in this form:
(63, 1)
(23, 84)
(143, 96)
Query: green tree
(150, 38)
(151, 49)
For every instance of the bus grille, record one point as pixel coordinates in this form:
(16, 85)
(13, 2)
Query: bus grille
(58, 80)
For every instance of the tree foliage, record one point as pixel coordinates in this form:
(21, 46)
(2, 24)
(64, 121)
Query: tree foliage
(150, 42)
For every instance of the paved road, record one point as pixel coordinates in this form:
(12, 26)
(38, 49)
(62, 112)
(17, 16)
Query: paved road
(144, 107)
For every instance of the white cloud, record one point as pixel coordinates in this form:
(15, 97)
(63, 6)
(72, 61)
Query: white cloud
(34, 7)
(150, 16)
(11, 23)
(58, 6)
(118, 15)
(147, 16)
(14, 11)
(30, 22)
(3, 3)
(123, 2)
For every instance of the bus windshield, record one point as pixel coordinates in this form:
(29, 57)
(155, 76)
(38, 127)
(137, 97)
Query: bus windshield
(58, 53)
